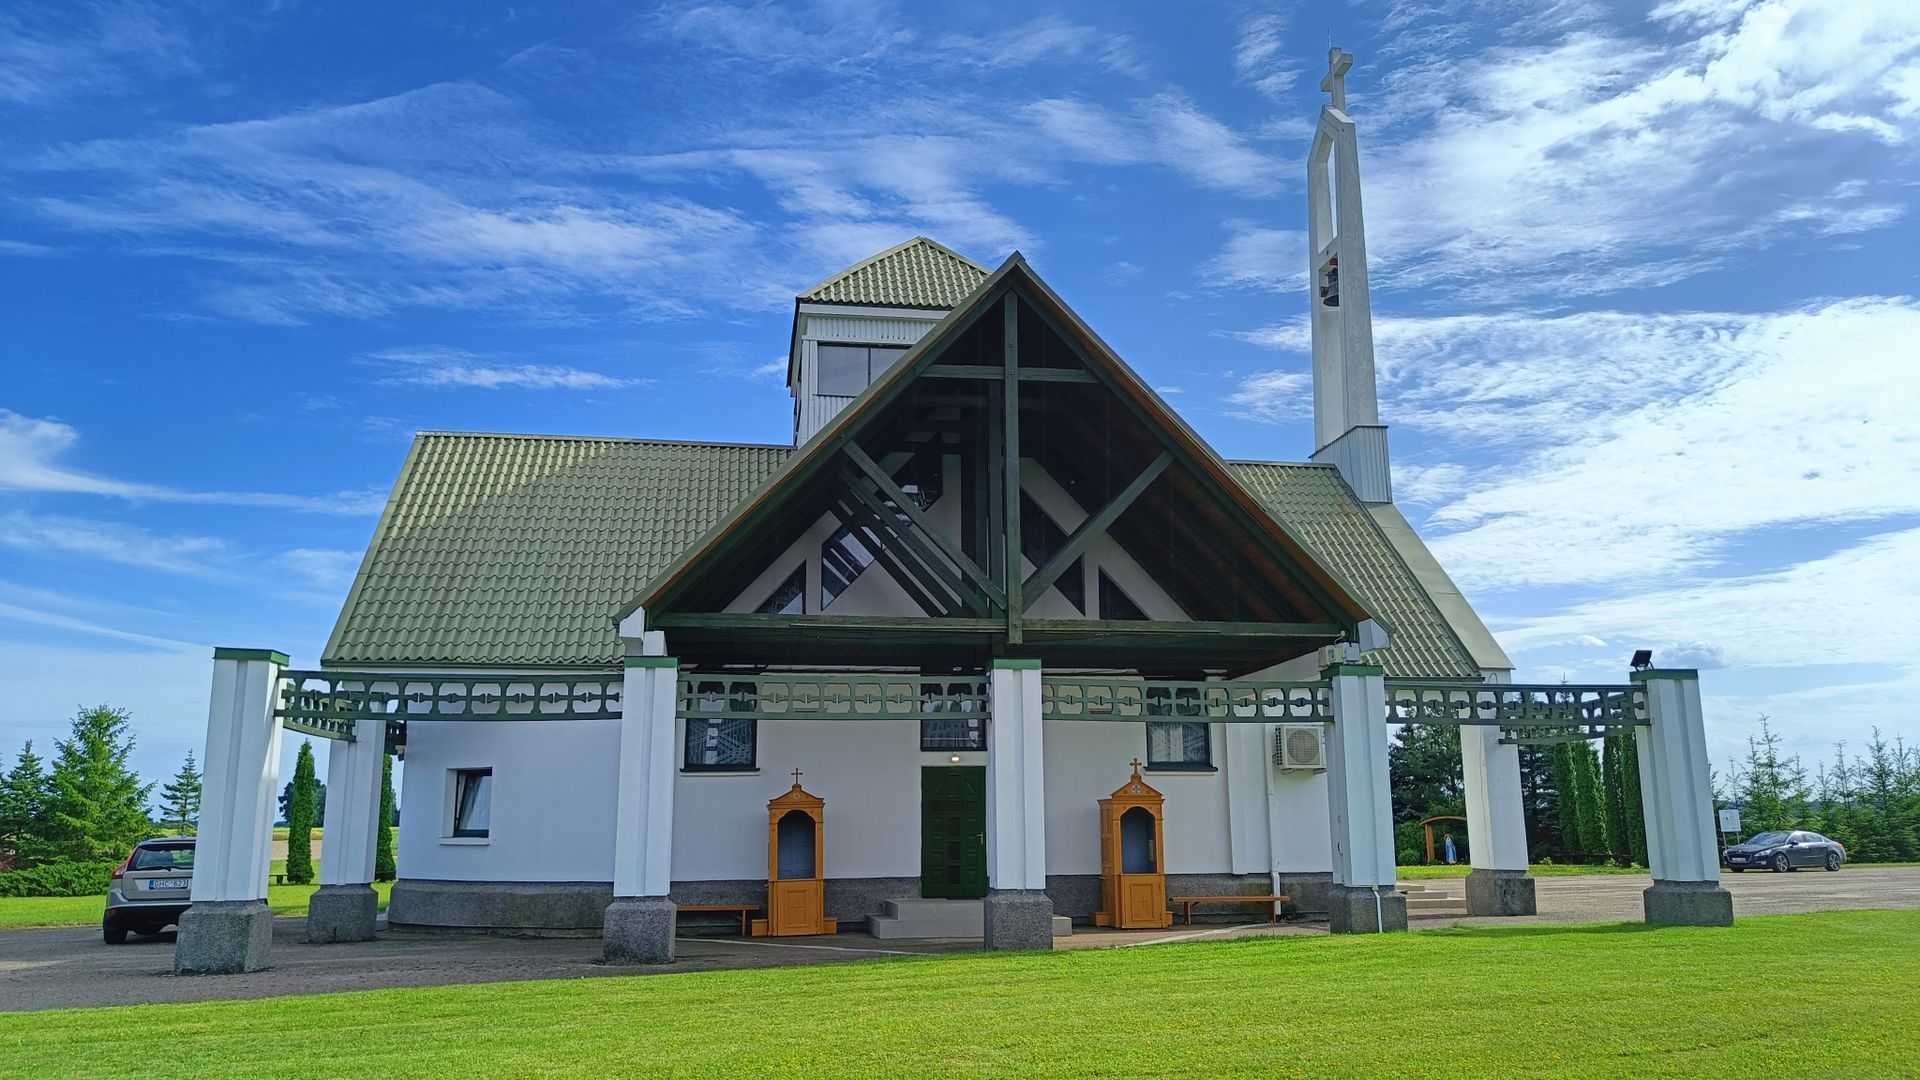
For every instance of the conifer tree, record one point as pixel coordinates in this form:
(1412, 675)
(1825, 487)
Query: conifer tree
(96, 805)
(1614, 787)
(1566, 815)
(300, 814)
(1635, 809)
(180, 799)
(384, 868)
(1589, 810)
(23, 812)
(1887, 818)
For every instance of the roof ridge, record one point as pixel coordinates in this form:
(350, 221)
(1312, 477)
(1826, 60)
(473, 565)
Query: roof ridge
(851, 273)
(603, 438)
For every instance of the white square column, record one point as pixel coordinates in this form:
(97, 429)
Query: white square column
(1676, 795)
(229, 927)
(345, 907)
(1360, 804)
(1496, 821)
(639, 925)
(1018, 913)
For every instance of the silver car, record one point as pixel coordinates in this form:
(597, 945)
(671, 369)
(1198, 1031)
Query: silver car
(150, 889)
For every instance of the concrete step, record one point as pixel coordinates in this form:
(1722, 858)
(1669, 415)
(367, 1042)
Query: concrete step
(1435, 903)
(918, 918)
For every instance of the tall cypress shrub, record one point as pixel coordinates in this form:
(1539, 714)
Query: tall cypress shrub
(1566, 816)
(384, 867)
(1614, 786)
(1635, 810)
(300, 815)
(1588, 809)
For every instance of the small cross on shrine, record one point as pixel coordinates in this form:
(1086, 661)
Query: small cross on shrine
(1136, 766)
(1338, 61)
(796, 778)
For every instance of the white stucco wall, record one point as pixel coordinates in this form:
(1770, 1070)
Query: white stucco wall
(553, 800)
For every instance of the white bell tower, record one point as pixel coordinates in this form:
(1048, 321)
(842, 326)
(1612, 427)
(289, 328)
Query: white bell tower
(1346, 405)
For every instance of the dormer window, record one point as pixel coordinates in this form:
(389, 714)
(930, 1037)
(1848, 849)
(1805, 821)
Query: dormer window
(845, 370)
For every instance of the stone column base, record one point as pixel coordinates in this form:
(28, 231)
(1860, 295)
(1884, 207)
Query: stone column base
(1351, 909)
(224, 937)
(1688, 903)
(639, 930)
(342, 913)
(1500, 892)
(1018, 919)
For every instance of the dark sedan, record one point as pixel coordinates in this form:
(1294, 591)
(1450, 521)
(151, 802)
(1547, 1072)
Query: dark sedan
(1784, 851)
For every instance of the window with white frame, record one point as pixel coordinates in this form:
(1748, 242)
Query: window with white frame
(472, 802)
(1176, 744)
(721, 743)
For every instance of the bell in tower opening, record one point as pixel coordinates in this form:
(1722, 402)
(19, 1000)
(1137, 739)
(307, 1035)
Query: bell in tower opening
(1330, 282)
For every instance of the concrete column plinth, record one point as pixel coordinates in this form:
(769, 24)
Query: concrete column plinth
(1018, 919)
(224, 937)
(342, 913)
(1351, 909)
(1500, 892)
(639, 930)
(1688, 903)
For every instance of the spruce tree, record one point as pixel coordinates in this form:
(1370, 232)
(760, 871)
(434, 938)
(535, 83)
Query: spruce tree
(180, 799)
(300, 814)
(1886, 811)
(384, 868)
(1566, 815)
(24, 838)
(96, 805)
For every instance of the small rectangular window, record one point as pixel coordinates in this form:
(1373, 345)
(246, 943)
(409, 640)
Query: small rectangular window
(947, 723)
(843, 370)
(721, 743)
(472, 801)
(1179, 746)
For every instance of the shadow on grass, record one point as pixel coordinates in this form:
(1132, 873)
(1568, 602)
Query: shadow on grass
(1542, 930)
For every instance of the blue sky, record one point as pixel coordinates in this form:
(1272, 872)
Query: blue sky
(1644, 288)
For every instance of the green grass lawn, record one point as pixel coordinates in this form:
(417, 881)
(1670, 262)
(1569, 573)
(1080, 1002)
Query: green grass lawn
(1415, 873)
(1832, 994)
(17, 913)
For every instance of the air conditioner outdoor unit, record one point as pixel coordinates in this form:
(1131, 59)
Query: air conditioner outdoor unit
(1300, 746)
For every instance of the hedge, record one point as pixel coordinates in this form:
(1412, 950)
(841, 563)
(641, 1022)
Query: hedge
(61, 877)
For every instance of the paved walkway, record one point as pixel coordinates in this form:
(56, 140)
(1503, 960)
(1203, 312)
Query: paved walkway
(49, 969)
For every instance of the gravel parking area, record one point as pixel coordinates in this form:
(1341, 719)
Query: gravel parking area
(50, 969)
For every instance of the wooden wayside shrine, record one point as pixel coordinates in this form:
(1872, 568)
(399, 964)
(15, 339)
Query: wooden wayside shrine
(1133, 877)
(796, 862)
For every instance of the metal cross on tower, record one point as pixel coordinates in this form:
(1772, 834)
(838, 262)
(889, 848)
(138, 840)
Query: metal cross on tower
(1338, 62)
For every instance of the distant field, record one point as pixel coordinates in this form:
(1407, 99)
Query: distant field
(1519, 1001)
(17, 913)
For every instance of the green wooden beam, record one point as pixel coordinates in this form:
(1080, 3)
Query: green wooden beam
(1016, 607)
(926, 526)
(1032, 374)
(1143, 629)
(871, 624)
(1092, 529)
(855, 517)
(936, 577)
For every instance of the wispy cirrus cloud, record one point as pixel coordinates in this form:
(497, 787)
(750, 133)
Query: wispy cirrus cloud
(31, 449)
(51, 52)
(439, 366)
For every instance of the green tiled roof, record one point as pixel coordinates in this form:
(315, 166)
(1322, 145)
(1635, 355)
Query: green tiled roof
(518, 549)
(1318, 507)
(918, 273)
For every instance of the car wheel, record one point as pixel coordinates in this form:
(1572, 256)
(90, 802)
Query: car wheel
(114, 935)
(1833, 860)
(1781, 865)
(1736, 869)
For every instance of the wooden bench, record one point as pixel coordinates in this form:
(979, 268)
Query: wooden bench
(745, 911)
(1273, 903)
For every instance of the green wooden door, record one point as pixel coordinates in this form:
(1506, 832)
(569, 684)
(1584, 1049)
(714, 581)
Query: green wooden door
(953, 831)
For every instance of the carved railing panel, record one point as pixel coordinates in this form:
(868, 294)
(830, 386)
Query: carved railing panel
(1529, 715)
(327, 703)
(827, 696)
(1078, 697)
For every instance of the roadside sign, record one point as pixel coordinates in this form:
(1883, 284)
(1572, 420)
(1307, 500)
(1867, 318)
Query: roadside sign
(1730, 820)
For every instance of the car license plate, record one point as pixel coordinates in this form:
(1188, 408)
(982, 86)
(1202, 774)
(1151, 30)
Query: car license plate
(157, 884)
(1736, 858)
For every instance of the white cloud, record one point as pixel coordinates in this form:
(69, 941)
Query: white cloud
(125, 544)
(1274, 396)
(1259, 257)
(324, 568)
(1047, 39)
(1257, 56)
(30, 449)
(444, 367)
(49, 53)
